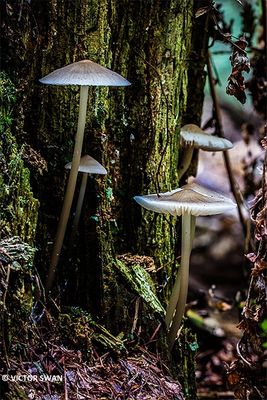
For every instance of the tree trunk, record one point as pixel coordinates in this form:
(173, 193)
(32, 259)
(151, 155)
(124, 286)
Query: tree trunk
(132, 131)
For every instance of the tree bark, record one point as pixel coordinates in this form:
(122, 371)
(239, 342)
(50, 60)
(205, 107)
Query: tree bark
(129, 130)
(133, 132)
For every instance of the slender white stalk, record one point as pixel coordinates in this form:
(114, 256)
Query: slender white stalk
(184, 275)
(79, 206)
(186, 160)
(176, 288)
(193, 228)
(173, 299)
(62, 225)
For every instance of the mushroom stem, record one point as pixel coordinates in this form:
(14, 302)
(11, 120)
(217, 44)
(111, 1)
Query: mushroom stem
(79, 206)
(193, 228)
(176, 288)
(62, 225)
(186, 160)
(187, 225)
(173, 299)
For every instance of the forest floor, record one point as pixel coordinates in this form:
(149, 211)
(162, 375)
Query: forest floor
(134, 376)
(137, 374)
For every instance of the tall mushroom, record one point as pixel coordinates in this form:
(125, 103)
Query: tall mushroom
(88, 165)
(193, 137)
(83, 73)
(189, 201)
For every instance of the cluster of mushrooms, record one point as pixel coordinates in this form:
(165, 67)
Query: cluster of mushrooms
(188, 201)
(83, 73)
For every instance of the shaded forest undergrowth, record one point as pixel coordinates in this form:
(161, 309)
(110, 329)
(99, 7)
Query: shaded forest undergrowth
(82, 358)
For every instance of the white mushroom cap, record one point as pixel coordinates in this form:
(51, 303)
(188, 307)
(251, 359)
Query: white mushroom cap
(192, 135)
(205, 191)
(89, 165)
(84, 73)
(191, 199)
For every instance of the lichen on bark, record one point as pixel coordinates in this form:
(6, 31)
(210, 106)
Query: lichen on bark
(19, 208)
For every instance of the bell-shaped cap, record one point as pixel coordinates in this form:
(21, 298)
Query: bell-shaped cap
(84, 73)
(89, 165)
(192, 135)
(189, 199)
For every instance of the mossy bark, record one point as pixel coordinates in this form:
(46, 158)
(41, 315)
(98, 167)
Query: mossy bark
(133, 132)
(18, 207)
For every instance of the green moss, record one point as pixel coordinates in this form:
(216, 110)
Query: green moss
(19, 208)
(188, 347)
(109, 341)
(17, 284)
(141, 283)
(7, 92)
(19, 257)
(79, 325)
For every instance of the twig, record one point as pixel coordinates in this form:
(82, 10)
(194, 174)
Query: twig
(226, 38)
(6, 283)
(136, 311)
(154, 333)
(215, 395)
(220, 132)
(249, 297)
(5, 350)
(240, 354)
(20, 10)
(226, 52)
(261, 395)
(65, 384)
(217, 77)
(263, 183)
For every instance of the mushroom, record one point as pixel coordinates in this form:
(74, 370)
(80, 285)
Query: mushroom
(84, 73)
(189, 201)
(88, 165)
(193, 137)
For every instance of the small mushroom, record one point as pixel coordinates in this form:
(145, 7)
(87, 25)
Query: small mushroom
(189, 201)
(84, 73)
(88, 165)
(193, 137)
